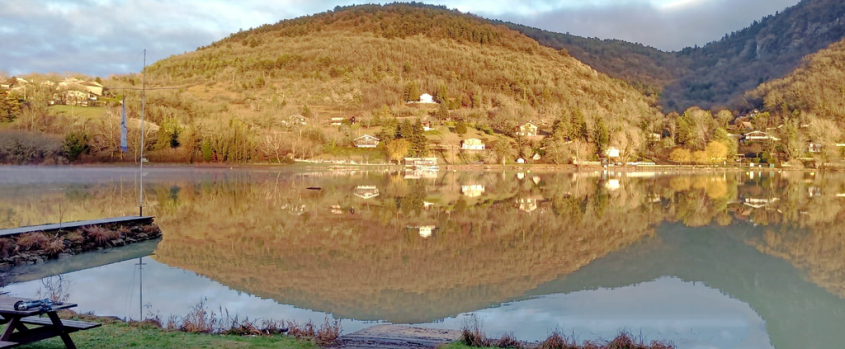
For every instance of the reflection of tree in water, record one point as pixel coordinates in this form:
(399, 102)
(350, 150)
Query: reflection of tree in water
(264, 234)
(365, 265)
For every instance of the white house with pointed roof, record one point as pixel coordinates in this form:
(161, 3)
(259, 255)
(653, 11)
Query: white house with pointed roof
(366, 141)
(472, 144)
(426, 98)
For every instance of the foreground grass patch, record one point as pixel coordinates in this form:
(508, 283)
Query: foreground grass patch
(118, 334)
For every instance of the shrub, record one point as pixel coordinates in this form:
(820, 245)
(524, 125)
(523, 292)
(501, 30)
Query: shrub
(75, 144)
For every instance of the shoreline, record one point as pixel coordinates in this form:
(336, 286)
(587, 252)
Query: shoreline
(545, 168)
(39, 246)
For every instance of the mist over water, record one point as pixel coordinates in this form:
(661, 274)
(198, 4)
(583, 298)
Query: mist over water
(725, 260)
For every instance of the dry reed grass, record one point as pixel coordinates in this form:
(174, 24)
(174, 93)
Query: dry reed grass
(75, 237)
(326, 335)
(55, 246)
(472, 335)
(100, 235)
(32, 241)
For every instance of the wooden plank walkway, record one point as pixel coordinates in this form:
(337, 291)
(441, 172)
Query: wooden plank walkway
(73, 225)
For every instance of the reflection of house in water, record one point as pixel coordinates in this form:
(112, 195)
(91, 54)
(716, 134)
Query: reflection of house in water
(366, 191)
(425, 231)
(758, 202)
(420, 174)
(294, 209)
(472, 190)
(529, 203)
(612, 184)
(421, 163)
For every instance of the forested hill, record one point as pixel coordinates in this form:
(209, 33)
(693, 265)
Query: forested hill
(357, 59)
(719, 73)
(646, 68)
(815, 88)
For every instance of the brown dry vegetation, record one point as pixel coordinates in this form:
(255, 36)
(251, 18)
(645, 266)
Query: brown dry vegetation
(354, 61)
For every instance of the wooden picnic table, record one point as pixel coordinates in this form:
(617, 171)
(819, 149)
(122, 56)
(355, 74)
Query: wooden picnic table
(17, 332)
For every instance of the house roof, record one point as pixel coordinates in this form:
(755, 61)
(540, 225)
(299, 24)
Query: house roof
(367, 137)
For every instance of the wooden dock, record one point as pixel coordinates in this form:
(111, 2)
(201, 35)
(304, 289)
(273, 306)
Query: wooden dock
(74, 225)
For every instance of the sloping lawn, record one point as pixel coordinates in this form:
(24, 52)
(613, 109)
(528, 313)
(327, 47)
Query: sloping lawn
(118, 334)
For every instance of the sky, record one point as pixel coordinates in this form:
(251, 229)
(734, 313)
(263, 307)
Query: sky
(102, 37)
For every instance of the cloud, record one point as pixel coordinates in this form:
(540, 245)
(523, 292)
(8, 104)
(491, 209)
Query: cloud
(101, 37)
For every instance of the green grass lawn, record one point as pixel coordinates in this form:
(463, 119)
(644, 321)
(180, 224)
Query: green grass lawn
(79, 112)
(118, 334)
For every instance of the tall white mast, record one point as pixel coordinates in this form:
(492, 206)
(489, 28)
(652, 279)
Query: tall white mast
(143, 113)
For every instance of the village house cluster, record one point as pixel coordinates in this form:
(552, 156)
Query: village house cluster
(70, 91)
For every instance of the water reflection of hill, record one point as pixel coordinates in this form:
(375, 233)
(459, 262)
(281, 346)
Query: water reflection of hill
(798, 314)
(370, 266)
(494, 237)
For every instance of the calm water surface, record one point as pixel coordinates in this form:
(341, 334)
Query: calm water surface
(722, 260)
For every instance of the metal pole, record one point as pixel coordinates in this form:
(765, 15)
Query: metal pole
(143, 113)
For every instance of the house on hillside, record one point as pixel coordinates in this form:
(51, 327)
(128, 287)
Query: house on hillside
(426, 98)
(472, 144)
(758, 136)
(76, 98)
(336, 121)
(612, 152)
(366, 141)
(527, 130)
(7, 84)
(95, 89)
(814, 148)
(295, 120)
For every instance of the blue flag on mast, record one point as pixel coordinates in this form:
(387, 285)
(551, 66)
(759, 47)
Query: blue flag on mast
(123, 147)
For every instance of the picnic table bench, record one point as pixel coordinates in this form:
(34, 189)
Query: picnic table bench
(18, 333)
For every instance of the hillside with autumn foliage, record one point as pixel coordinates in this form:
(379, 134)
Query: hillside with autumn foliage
(368, 62)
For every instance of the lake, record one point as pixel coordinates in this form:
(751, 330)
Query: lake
(724, 260)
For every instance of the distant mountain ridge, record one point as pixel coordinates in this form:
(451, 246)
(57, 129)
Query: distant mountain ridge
(719, 73)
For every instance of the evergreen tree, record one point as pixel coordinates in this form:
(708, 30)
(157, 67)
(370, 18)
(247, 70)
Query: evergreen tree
(419, 141)
(442, 112)
(602, 135)
(74, 145)
(207, 152)
(405, 130)
(461, 128)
